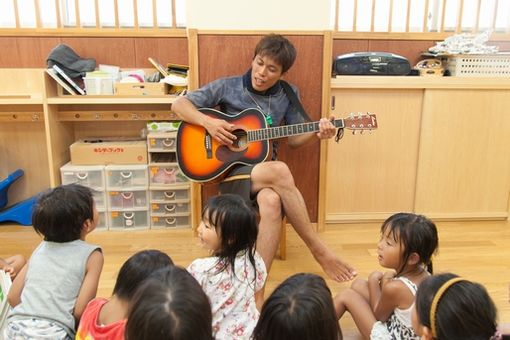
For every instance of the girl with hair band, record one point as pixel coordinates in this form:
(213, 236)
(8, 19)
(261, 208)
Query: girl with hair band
(381, 307)
(235, 271)
(449, 308)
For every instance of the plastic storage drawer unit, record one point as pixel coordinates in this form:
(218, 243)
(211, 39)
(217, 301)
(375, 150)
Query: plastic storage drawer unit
(126, 177)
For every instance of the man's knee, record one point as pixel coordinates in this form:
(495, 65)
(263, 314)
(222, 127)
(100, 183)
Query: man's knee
(269, 202)
(272, 171)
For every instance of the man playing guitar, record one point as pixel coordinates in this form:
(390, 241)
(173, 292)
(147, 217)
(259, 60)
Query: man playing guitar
(270, 185)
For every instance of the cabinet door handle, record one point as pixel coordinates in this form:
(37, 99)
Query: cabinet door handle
(332, 103)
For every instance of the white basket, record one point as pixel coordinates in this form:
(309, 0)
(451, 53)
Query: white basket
(492, 65)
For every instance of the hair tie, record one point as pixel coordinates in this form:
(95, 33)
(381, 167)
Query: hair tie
(436, 299)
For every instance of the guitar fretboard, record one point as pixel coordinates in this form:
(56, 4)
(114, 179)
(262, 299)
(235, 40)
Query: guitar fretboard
(288, 130)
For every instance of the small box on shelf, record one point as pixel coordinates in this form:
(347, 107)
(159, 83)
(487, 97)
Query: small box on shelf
(141, 89)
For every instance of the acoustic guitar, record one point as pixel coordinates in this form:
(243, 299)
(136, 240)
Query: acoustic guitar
(202, 158)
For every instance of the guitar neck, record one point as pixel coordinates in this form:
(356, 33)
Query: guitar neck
(288, 130)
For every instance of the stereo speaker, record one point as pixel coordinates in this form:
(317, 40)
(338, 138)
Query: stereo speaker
(371, 63)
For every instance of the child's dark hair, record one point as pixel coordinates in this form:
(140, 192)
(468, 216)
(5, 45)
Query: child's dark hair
(169, 305)
(417, 234)
(236, 225)
(464, 310)
(136, 269)
(60, 213)
(278, 48)
(300, 308)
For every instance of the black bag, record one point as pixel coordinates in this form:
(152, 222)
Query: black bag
(70, 62)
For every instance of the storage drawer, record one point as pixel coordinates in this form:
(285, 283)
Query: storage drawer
(130, 219)
(169, 208)
(126, 177)
(163, 141)
(173, 194)
(162, 157)
(165, 174)
(161, 222)
(121, 200)
(91, 176)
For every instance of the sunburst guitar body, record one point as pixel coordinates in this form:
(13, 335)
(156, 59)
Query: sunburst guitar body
(201, 158)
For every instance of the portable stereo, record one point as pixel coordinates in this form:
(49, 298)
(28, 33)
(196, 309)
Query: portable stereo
(371, 63)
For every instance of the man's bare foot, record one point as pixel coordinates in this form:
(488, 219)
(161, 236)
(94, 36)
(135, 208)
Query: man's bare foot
(336, 269)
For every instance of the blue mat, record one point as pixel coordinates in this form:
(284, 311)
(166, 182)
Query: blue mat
(20, 213)
(6, 183)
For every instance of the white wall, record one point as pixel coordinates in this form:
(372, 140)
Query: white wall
(258, 14)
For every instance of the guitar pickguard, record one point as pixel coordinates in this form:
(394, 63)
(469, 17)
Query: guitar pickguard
(226, 155)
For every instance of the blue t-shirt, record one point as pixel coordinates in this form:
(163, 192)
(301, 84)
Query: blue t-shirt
(234, 94)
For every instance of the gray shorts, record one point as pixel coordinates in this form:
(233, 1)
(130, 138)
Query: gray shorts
(238, 181)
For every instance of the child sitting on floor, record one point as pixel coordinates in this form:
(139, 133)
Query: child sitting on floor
(300, 308)
(235, 271)
(106, 319)
(51, 291)
(449, 307)
(381, 307)
(169, 305)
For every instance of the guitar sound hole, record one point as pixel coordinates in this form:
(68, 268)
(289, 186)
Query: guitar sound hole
(242, 139)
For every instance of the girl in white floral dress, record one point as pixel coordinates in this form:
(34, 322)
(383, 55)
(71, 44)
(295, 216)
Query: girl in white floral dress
(235, 271)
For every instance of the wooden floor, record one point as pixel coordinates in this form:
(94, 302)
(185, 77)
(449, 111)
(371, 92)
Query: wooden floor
(478, 251)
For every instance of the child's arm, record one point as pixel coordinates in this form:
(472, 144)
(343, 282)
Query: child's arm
(385, 294)
(88, 288)
(14, 296)
(14, 264)
(6, 267)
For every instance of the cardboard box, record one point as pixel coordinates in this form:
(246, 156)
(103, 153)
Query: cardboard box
(91, 151)
(141, 89)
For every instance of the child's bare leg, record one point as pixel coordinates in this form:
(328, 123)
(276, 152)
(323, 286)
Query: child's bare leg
(361, 286)
(359, 308)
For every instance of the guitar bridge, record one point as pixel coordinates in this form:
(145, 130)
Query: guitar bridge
(208, 145)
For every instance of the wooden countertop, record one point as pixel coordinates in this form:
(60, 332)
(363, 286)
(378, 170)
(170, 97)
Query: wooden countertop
(417, 82)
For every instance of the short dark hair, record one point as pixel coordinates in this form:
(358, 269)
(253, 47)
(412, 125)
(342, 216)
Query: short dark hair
(169, 305)
(60, 213)
(136, 269)
(300, 308)
(464, 311)
(416, 233)
(236, 224)
(278, 48)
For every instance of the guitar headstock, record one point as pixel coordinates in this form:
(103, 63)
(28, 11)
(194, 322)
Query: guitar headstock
(360, 121)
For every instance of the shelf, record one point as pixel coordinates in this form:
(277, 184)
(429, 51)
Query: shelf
(114, 100)
(416, 82)
(22, 116)
(118, 115)
(21, 99)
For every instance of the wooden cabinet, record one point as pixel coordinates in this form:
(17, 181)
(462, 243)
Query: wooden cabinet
(46, 124)
(442, 149)
(22, 132)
